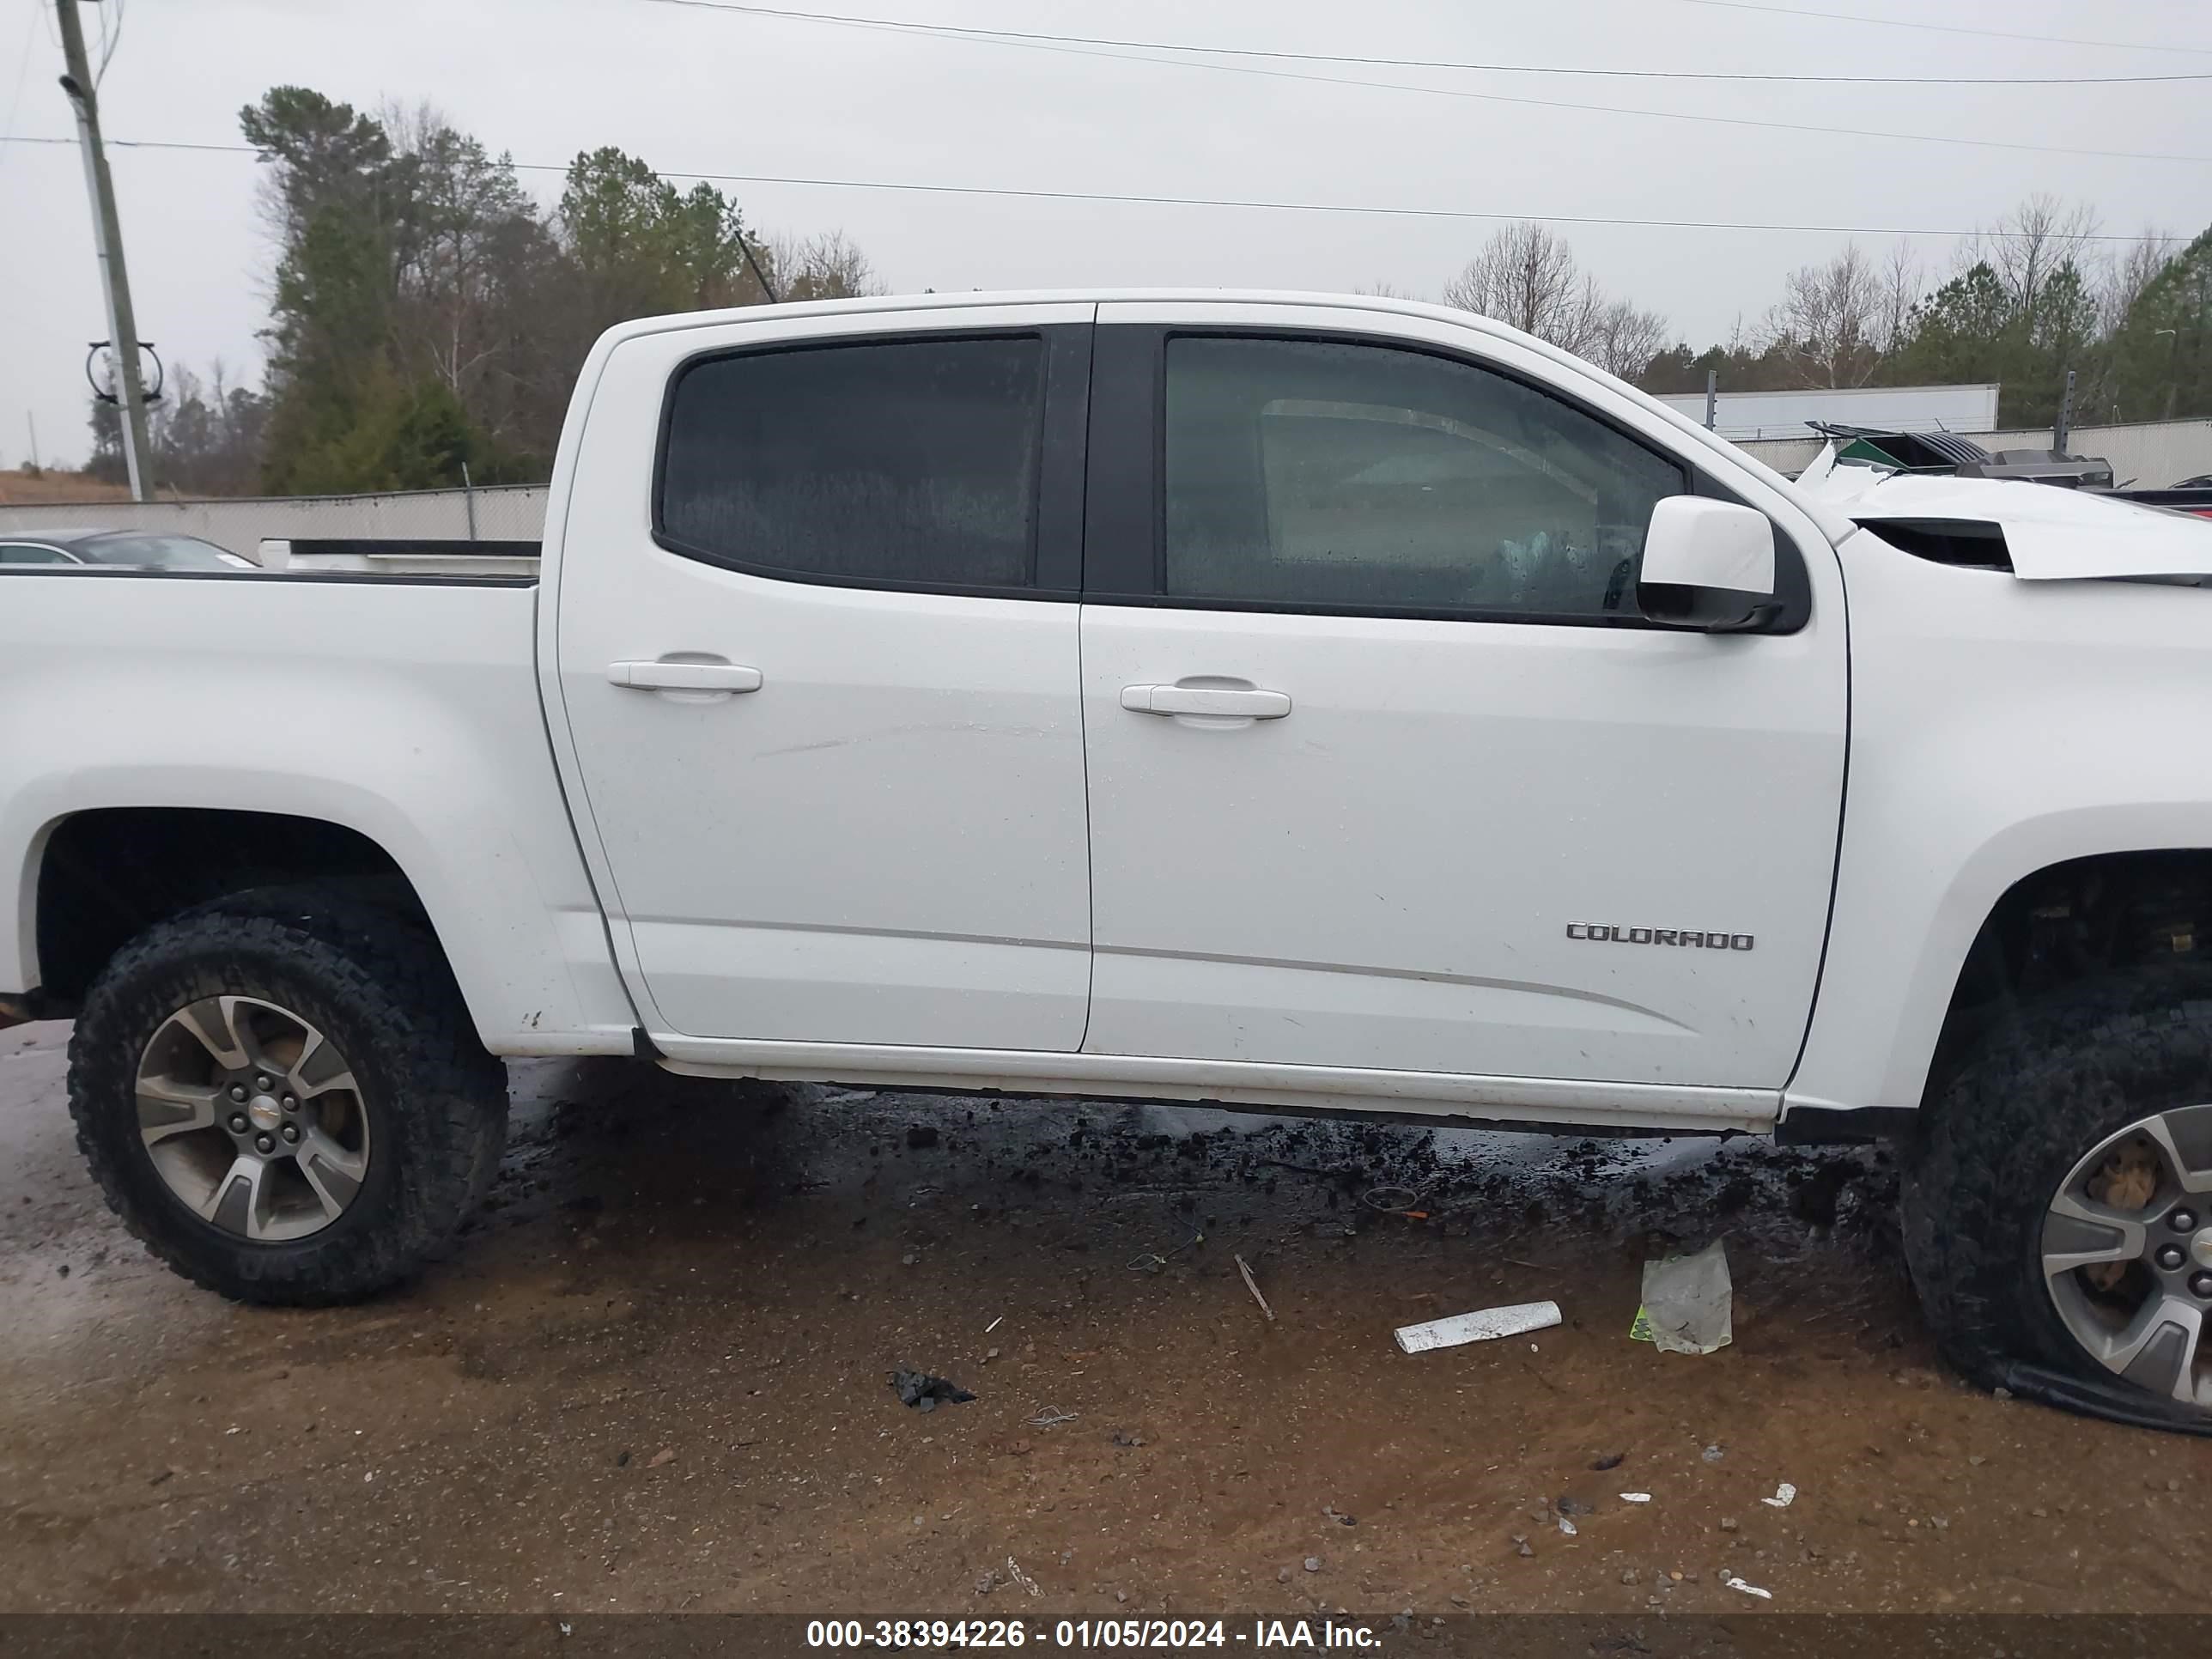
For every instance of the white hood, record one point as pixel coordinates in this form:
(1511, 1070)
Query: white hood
(2052, 533)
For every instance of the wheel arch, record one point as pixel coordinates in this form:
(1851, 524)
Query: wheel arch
(92, 879)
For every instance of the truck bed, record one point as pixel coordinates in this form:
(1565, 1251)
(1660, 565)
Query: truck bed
(402, 707)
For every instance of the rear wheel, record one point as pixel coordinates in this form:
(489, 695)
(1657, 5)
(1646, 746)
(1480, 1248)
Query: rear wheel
(2058, 1218)
(281, 1096)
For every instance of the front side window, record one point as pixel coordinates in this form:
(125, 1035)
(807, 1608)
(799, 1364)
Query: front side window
(24, 553)
(911, 463)
(1329, 474)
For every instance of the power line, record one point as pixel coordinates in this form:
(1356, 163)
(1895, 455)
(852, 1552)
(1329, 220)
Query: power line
(961, 31)
(1948, 28)
(945, 32)
(1135, 198)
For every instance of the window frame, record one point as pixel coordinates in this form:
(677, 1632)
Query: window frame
(1125, 542)
(1055, 552)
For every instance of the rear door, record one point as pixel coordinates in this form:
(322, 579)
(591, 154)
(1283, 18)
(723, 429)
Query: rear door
(817, 653)
(1386, 771)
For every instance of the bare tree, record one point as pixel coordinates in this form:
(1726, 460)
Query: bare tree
(2132, 271)
(826, 266)
(2030, 245)
(1903, 283)
(1625, 338)
(1526, 276)
(1830, 322)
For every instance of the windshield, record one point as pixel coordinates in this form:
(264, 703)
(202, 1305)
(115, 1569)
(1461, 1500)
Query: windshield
(160, 553)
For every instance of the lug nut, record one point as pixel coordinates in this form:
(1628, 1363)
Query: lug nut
(2169, 1257)
(238, 1091)
(291, 1132)
(291, 1102)
(237, 1123)
(262, 1143)
(263, 1084)
(2200, 1285)
(2182, 1221)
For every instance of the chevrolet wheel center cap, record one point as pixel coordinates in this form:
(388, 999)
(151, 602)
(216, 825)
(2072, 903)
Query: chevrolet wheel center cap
(263, 1109)
(2200, 1247)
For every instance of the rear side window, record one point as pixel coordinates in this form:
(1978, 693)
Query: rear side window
(1341, 476)
(906, 463)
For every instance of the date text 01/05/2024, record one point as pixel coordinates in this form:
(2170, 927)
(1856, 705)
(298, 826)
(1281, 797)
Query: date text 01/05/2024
(1088, 1633)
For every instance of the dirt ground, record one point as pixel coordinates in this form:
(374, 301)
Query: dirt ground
(656, 1378)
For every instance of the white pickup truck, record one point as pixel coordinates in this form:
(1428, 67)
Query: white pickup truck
(1282, 701)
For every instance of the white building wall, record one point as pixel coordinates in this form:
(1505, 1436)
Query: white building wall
(1741, 415)
(2150, 456)
(511, 513)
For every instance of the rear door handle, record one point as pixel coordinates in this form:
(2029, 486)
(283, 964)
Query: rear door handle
(1233, 701)
(684, 675)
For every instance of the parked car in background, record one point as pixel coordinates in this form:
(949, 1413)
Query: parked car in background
(127, 549)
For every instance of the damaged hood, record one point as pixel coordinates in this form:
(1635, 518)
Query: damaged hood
(2050, 534)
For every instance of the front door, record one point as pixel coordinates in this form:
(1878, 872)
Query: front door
(820, 681)
(1385, 769)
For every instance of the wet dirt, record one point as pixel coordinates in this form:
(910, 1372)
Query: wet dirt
(657, 1375)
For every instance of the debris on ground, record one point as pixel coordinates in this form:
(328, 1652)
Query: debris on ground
(1736, 1583)
(1051, 1417)
(1015, 1572)
(1785, 1496)
(1712, 1454)
(924, 1392)
(1484, 1325)
(1636, 1498)
(1688, 1302)
(1609, 1460)
(1253, 1286)
(661, 1459)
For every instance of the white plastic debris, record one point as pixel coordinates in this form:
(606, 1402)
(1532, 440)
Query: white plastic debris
(1735, 1583)
(1485, 1325)
(1785, 1496)
(1636, 1498)
(1566, 1526)
(1687, 1301)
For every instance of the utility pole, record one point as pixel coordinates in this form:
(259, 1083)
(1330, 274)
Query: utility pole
(107, 240)
(2064, 428)
(1712, 398)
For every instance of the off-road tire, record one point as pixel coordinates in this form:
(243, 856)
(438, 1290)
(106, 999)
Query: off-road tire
(2039, 1092)
(373, 979)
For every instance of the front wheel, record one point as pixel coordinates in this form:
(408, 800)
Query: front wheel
(283, 1098)
(2058, 1216)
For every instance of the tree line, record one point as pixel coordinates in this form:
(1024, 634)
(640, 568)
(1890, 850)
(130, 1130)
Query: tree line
(2022, 304)
(428, 316)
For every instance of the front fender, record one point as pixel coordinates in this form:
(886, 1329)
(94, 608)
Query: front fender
(1998, 727)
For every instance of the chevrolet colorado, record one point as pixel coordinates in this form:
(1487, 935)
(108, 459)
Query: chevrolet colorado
(1284, 700)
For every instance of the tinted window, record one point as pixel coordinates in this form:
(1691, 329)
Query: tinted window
(18, 553)
(906, 462)
(1318, 473)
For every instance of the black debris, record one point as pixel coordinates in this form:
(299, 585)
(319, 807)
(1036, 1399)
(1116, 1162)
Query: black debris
(922, 1391)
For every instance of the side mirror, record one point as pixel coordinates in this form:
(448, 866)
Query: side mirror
(1707, 565)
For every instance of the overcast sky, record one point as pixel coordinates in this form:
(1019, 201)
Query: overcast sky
(696, 90)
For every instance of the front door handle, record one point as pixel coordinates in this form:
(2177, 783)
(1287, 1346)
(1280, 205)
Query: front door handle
(664, 676)
(1234, 702)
